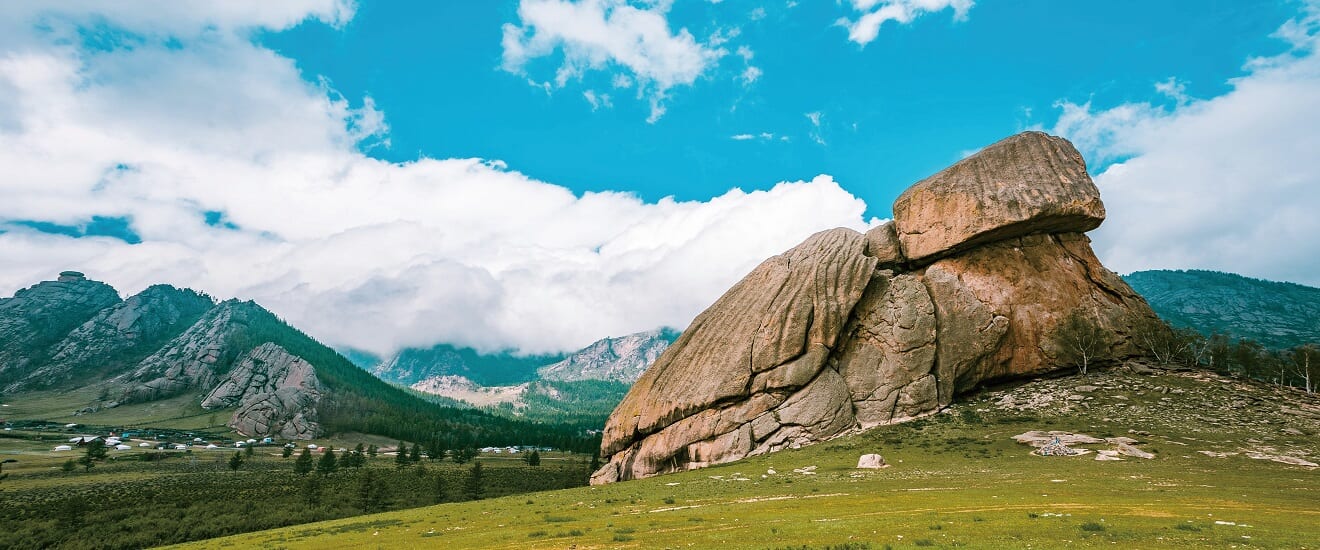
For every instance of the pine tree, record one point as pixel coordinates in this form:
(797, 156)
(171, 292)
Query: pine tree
(236, 461)
(372, 450)
(327, 463)
(303, 465)
(476, 486)
(247, 450)
(438, 488)
(401, 458)
(534, 459)
(312, 491)
(288, 451)
(369, 497)
(415, 454)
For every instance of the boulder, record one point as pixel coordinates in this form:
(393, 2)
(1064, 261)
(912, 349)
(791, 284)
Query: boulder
(1029, 183)
(871, 462)
(968, 285)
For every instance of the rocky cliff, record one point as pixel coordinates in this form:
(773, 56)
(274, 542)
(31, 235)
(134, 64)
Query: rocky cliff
(968, 284)
(36, 318)
(276, 394)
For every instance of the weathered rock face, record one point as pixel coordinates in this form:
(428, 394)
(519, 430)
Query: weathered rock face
(845, 331)
(195, 359)
(120, 335)
(36, 318)
(276, 394)
(1028, 183)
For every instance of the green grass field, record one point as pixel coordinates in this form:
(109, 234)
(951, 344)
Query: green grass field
(956, 480)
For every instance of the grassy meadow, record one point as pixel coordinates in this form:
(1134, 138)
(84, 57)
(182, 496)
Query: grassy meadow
(956, 479)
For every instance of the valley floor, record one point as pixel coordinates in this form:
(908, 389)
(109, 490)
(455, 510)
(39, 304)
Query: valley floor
(1220, 479)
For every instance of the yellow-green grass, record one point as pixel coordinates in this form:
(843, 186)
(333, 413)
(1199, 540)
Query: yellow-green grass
(956, 479)
(59, 406)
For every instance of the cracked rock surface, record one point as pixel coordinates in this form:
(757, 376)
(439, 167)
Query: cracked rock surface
(846, 331)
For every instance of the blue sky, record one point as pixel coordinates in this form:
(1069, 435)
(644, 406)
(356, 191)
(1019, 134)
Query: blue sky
(892, 111)
(538, 174)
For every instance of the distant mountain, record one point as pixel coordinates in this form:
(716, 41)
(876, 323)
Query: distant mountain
(581, 387)
(621, 359)
(232, 356)
(1278, 315)
(413, 365)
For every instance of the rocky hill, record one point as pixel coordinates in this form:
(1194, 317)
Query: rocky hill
(232, 356)
(581, 387)
(1278, 315)
(621, 359)
(970, 283)
(413, 365)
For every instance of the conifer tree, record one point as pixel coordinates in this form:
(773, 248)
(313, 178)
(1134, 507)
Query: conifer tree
(303, 465)
(476, 486)
(415, 454)
(327, 464)
(401, 458)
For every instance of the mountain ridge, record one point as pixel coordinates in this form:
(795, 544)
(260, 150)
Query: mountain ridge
(1277, 314)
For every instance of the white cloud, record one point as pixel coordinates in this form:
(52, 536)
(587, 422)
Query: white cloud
(875, 13)
(750, 72)
(610, 35)
(816, 119)
(1173, 89)
(598, 100)
(763, 136)
(1229, 183)
(357, 251)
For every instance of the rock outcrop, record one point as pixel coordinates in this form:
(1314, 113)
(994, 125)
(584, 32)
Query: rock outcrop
(968, 284)
(195, 359)
(276, 394)
(119, 336)
(38, 317)
(1028, 183)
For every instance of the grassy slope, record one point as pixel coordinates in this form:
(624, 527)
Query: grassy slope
(956, 479)
(57, 406)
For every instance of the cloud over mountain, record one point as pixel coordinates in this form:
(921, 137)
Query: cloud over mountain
(242, 178)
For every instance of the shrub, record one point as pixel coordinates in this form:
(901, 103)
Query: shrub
(1092, 527)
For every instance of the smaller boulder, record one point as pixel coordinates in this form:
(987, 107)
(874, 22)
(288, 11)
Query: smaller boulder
(871, 462)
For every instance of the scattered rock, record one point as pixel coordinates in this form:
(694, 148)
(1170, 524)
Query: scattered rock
(1085, 389)
(871, 461)
(1129, 450)
(1282, 459)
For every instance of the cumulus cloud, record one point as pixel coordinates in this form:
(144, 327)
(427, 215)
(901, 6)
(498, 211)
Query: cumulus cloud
(872, 14)
(242, 179)
(611, 36)
(1229, 183)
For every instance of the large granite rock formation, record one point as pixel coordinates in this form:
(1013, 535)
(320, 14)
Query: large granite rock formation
(197, 358)
(1028, 183)
(276, 394)
(119, 336)
(968, 284)
(38, 317)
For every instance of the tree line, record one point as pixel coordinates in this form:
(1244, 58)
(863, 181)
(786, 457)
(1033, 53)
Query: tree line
(1081, 342)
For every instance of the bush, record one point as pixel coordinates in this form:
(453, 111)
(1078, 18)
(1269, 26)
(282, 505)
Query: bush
(1093, 527)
